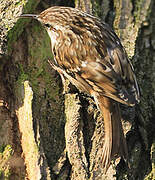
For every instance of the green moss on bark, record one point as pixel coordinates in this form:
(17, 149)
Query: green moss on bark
(26, 6)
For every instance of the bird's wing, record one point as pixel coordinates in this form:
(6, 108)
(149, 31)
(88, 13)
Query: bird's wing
(95, 57)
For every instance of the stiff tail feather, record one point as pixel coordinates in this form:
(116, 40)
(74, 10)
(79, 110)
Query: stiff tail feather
(115, 143)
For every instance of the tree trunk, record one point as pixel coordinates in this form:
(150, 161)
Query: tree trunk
(48, 135)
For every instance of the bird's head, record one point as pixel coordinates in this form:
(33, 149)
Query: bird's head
(58, 18)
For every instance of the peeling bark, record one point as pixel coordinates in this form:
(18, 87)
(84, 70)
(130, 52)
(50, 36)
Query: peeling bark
(74, 138)
(34, 158)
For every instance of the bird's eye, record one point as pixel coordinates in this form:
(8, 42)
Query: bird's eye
(47, 25)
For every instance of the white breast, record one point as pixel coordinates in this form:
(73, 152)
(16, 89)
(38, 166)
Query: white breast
(53, 36)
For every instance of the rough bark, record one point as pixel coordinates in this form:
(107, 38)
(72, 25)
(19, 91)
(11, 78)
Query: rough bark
(48, 135)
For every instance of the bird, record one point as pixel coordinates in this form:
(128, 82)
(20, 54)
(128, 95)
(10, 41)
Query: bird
(90, 55)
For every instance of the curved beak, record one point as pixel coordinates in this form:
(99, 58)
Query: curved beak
(34, 16)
